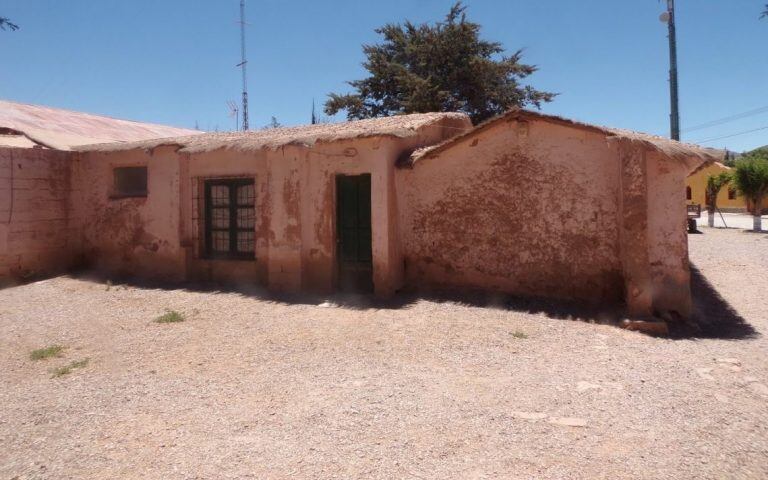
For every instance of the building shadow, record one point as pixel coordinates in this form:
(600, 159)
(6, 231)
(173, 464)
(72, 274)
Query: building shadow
(713, 316)
(553, 308)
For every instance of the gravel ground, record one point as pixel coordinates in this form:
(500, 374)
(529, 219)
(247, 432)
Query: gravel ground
(252, 388)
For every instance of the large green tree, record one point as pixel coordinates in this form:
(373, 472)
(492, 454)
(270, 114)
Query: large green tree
(438, 67)
(751, 179)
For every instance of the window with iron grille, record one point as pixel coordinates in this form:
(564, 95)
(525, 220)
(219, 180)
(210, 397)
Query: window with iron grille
(230, 218)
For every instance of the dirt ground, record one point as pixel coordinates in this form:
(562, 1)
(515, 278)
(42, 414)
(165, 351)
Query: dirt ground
(252, 388)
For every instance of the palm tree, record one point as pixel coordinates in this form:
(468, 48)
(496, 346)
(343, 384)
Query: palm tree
(715, 183)
(751, 179)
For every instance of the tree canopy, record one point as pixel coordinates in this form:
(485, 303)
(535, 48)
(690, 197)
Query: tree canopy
(715, 183)
(6, 24)
(438, 67)
(751, 178)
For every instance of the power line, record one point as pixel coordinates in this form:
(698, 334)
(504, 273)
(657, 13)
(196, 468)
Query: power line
(733, 135)
(731, 118)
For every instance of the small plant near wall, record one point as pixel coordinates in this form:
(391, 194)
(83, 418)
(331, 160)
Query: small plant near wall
(170, 316)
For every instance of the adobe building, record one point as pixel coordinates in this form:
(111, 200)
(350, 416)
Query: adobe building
(36, 236)
(525, 203)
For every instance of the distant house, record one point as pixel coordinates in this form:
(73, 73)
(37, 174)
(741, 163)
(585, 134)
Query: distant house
(728, 200)
(525, 203)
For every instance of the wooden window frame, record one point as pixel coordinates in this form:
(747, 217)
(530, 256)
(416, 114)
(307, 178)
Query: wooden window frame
(233, 229)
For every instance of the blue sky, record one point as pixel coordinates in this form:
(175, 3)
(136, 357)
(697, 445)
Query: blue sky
(173, 61)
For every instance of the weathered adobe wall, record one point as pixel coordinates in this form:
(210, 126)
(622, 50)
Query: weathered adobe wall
(667, 238)
(523, 207)
(302, 229)
(129, 236)
(161, 236)
(194, 171)
(296, 209)
(35, 235)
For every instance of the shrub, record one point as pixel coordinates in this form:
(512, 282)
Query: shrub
(170, 316)
(47, 352)
(66, 369)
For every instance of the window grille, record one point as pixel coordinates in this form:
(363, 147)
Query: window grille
(230, 218)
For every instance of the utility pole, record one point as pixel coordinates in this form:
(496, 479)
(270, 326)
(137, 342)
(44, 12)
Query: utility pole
(242, 65)
(674, 117)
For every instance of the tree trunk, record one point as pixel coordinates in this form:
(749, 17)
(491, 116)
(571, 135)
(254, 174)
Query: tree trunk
(711, 219)
(758, 222)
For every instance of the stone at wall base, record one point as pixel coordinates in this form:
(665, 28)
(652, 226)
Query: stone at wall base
(658, 328)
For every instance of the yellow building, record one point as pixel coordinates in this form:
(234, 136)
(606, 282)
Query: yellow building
(696, 188)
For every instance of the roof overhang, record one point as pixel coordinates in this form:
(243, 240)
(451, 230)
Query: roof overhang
(693, 155)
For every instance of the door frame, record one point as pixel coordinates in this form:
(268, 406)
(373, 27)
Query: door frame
(337, 270)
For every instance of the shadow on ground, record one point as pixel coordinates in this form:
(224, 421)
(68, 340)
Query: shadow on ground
(713, 316)
(553, 308)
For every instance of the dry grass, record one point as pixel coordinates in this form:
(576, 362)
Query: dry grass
(261, 389)
(170, 316)
(68, 368)
(47, 352)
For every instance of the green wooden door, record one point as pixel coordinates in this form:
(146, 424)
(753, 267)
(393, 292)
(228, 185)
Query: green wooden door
(353, 223)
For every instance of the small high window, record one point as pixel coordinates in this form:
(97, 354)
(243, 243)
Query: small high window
(230, 218)
(130, 182)
(731, 194)
(688, 194)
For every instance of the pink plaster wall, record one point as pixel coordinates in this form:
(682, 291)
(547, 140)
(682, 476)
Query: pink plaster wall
(296, 230)
(543, 209)
(161, 236)
(129, 236)
(530, 207)
(34, 213)
(667, 237)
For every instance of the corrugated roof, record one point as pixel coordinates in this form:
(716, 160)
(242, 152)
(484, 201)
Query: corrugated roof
(669, 148)
(401, 126)
(65, 129)
(16, 141)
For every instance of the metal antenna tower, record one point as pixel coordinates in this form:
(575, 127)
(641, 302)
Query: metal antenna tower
(242, 65)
